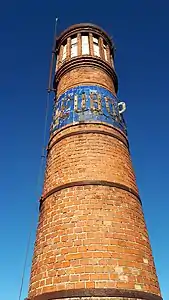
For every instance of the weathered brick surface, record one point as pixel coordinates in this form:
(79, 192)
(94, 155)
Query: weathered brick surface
(85, 75)
(92, 236)
(108, 128)
(89, 156)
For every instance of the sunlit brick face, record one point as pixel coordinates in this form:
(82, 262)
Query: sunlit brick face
(92, 241)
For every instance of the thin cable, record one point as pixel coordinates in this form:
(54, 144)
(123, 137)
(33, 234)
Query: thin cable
(43, 156)
(25, 262)
(37, 185)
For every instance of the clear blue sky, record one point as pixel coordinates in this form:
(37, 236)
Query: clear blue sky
(141, 33)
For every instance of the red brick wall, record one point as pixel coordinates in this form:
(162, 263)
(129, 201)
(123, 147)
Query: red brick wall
(85, 75)
(91, 236)
(94, 235)
(88, 156)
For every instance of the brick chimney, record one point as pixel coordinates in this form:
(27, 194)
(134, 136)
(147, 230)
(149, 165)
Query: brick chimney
(92, 241)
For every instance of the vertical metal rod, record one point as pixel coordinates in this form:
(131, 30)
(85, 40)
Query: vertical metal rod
(42, 157)
(52, 57)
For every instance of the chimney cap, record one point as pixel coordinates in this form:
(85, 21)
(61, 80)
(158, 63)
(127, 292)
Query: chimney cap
(86, 27)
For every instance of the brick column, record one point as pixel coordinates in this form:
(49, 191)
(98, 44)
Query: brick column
(108, 54)
(68, 48)
(92, 241)
(79, 43)
(91, 44)
(101, 47)
(57, 62)
(60, 56)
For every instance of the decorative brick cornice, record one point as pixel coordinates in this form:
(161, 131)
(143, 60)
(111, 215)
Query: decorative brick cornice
(81, 127)
(90, 182)
(131, 294)
(87, 131)
(84, 27)
(85, 61)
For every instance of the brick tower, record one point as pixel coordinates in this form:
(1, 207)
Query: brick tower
(91, 239)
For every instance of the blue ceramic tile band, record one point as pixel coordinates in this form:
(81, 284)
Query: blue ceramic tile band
(87, 104)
